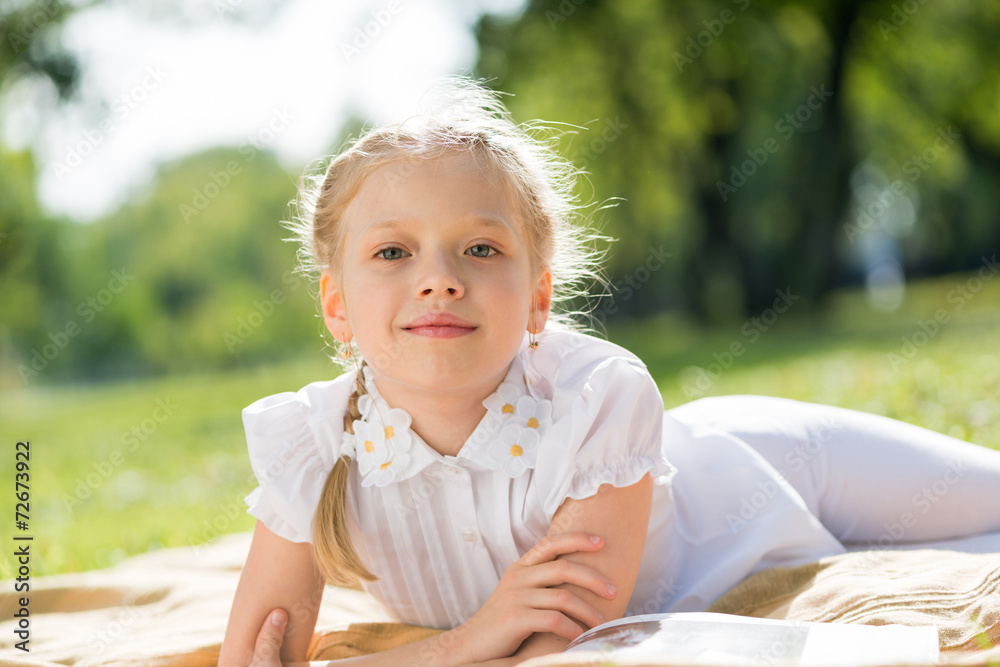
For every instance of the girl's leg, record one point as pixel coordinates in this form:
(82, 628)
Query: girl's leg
(869, 479)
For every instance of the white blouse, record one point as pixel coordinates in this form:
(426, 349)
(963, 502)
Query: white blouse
(439, 531)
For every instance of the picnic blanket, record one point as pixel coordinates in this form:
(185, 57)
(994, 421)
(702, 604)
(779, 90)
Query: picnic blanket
(169, 608)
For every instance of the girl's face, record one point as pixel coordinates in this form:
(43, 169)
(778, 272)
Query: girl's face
(430, 239)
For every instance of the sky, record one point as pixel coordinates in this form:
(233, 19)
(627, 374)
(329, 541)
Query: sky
(155, 88)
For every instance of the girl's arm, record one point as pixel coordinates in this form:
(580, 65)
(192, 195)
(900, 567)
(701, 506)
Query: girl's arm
(525, 602)
(621, 517)
(277, 573)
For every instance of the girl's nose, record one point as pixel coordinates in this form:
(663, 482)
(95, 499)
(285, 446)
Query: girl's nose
(440, 276)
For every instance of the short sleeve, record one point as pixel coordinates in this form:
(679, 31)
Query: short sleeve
(611, 434)
(287, 464)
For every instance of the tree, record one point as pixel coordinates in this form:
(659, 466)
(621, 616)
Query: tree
(745, 124)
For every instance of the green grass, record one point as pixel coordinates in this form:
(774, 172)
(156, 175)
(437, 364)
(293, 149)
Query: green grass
(850, 356)
(182, 479)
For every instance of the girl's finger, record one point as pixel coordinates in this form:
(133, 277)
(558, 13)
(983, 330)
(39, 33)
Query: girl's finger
(568, 572)
(551, 546)
(567, 603)
(267, 649)
(552, 621)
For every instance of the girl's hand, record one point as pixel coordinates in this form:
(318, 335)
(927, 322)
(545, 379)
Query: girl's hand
(523, 603)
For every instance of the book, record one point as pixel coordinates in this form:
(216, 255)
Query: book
(705, 638)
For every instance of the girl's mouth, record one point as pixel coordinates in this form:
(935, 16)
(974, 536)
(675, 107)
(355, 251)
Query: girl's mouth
(440, 325)
(440, 331)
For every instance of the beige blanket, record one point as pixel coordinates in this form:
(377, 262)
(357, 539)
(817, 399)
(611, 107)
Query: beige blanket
(170, 607)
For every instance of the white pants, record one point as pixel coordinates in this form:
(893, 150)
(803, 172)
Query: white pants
(872, 481)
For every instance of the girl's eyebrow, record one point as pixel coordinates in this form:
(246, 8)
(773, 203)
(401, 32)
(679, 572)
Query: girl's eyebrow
(482, 221)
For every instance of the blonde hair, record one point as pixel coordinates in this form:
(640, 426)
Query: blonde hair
(472, 120)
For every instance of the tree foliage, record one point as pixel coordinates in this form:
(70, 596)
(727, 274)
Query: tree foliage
(758, 148)
(754, 135)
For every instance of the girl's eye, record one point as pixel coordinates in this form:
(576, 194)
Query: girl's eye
(390, 253)
(482, 250)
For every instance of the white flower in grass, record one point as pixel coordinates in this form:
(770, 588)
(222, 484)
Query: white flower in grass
(516, 450)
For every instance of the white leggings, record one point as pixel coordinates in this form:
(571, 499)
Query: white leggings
(870, 480)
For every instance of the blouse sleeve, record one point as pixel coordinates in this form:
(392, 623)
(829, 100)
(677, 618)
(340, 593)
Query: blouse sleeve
(612, 434)
(287, 464)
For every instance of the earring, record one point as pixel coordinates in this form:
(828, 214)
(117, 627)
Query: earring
(346, 352)
(532, 341)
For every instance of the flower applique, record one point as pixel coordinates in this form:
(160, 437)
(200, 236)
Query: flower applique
(502, 402)
(516, 450)
(382, 443)
(522, 420)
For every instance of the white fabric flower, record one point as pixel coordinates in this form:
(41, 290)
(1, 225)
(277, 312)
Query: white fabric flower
(516, 450)
(503, 402)
(514, 425)
(365, 405)
(532, 413)
(371, 446)
(383, 446)
(386, 473)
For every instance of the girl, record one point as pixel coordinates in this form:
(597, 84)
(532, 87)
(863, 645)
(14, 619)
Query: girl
(484, 468)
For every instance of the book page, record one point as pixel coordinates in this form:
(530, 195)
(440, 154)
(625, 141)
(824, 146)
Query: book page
(708, 638)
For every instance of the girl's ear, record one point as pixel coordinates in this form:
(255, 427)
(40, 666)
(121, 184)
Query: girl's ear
(541, 303)
(334, 308)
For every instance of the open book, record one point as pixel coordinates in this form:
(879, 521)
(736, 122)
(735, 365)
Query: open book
(723, 639)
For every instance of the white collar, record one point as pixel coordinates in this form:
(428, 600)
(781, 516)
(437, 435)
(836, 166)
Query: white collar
(505, 440)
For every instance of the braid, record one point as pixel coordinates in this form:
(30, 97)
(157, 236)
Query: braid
(352, 403)
(336, 558)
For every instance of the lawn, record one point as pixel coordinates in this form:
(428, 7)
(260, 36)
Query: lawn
(118, 469)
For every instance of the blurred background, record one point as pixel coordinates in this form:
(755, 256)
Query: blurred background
(805, 201)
